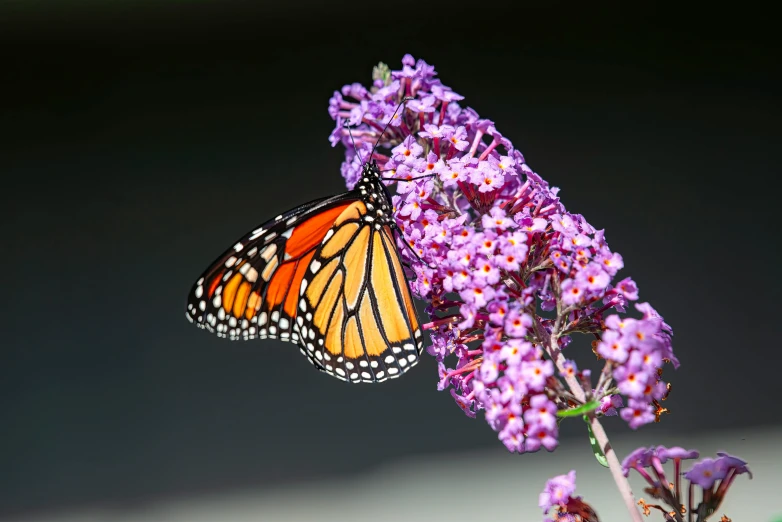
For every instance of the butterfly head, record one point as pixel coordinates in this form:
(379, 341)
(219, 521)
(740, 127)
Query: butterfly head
(370, 169)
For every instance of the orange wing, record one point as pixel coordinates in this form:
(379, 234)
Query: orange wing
(251, 291)
(356, 315)
(322, 276)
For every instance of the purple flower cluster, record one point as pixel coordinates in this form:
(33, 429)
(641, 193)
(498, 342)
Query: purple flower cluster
(638, 348)
(559, 494)
(508, 273)
(704, 474)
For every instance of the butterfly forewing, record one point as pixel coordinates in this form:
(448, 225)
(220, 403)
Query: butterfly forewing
(248, 285)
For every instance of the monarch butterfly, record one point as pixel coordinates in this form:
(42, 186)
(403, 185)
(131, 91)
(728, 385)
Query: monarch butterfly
(327, 276)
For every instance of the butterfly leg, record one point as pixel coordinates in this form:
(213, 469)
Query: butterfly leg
(407, 245)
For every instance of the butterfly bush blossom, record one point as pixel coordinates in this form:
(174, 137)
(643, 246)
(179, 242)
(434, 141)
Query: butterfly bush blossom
(708, 478)
(558, 498)
(508, 273)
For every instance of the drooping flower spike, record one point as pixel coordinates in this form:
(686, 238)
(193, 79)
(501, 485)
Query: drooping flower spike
(508, 274)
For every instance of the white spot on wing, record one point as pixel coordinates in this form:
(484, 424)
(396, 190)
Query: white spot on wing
(269, 251)
(258, 232)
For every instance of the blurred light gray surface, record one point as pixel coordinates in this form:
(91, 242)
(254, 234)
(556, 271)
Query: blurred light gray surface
(475, 486)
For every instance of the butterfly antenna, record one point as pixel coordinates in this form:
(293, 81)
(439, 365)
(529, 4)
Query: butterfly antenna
(404, 100)
(352, 140)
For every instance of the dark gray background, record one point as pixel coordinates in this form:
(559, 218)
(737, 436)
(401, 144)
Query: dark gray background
(138, 141)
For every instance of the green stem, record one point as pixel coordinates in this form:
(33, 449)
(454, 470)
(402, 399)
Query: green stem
(600, 435)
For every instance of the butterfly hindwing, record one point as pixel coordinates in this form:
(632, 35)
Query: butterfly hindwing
(356, 316)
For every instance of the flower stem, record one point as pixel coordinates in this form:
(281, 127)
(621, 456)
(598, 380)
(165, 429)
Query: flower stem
(616, 468)
(597, 429)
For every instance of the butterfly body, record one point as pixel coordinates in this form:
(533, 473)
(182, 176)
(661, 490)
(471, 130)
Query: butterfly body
(326, 276)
